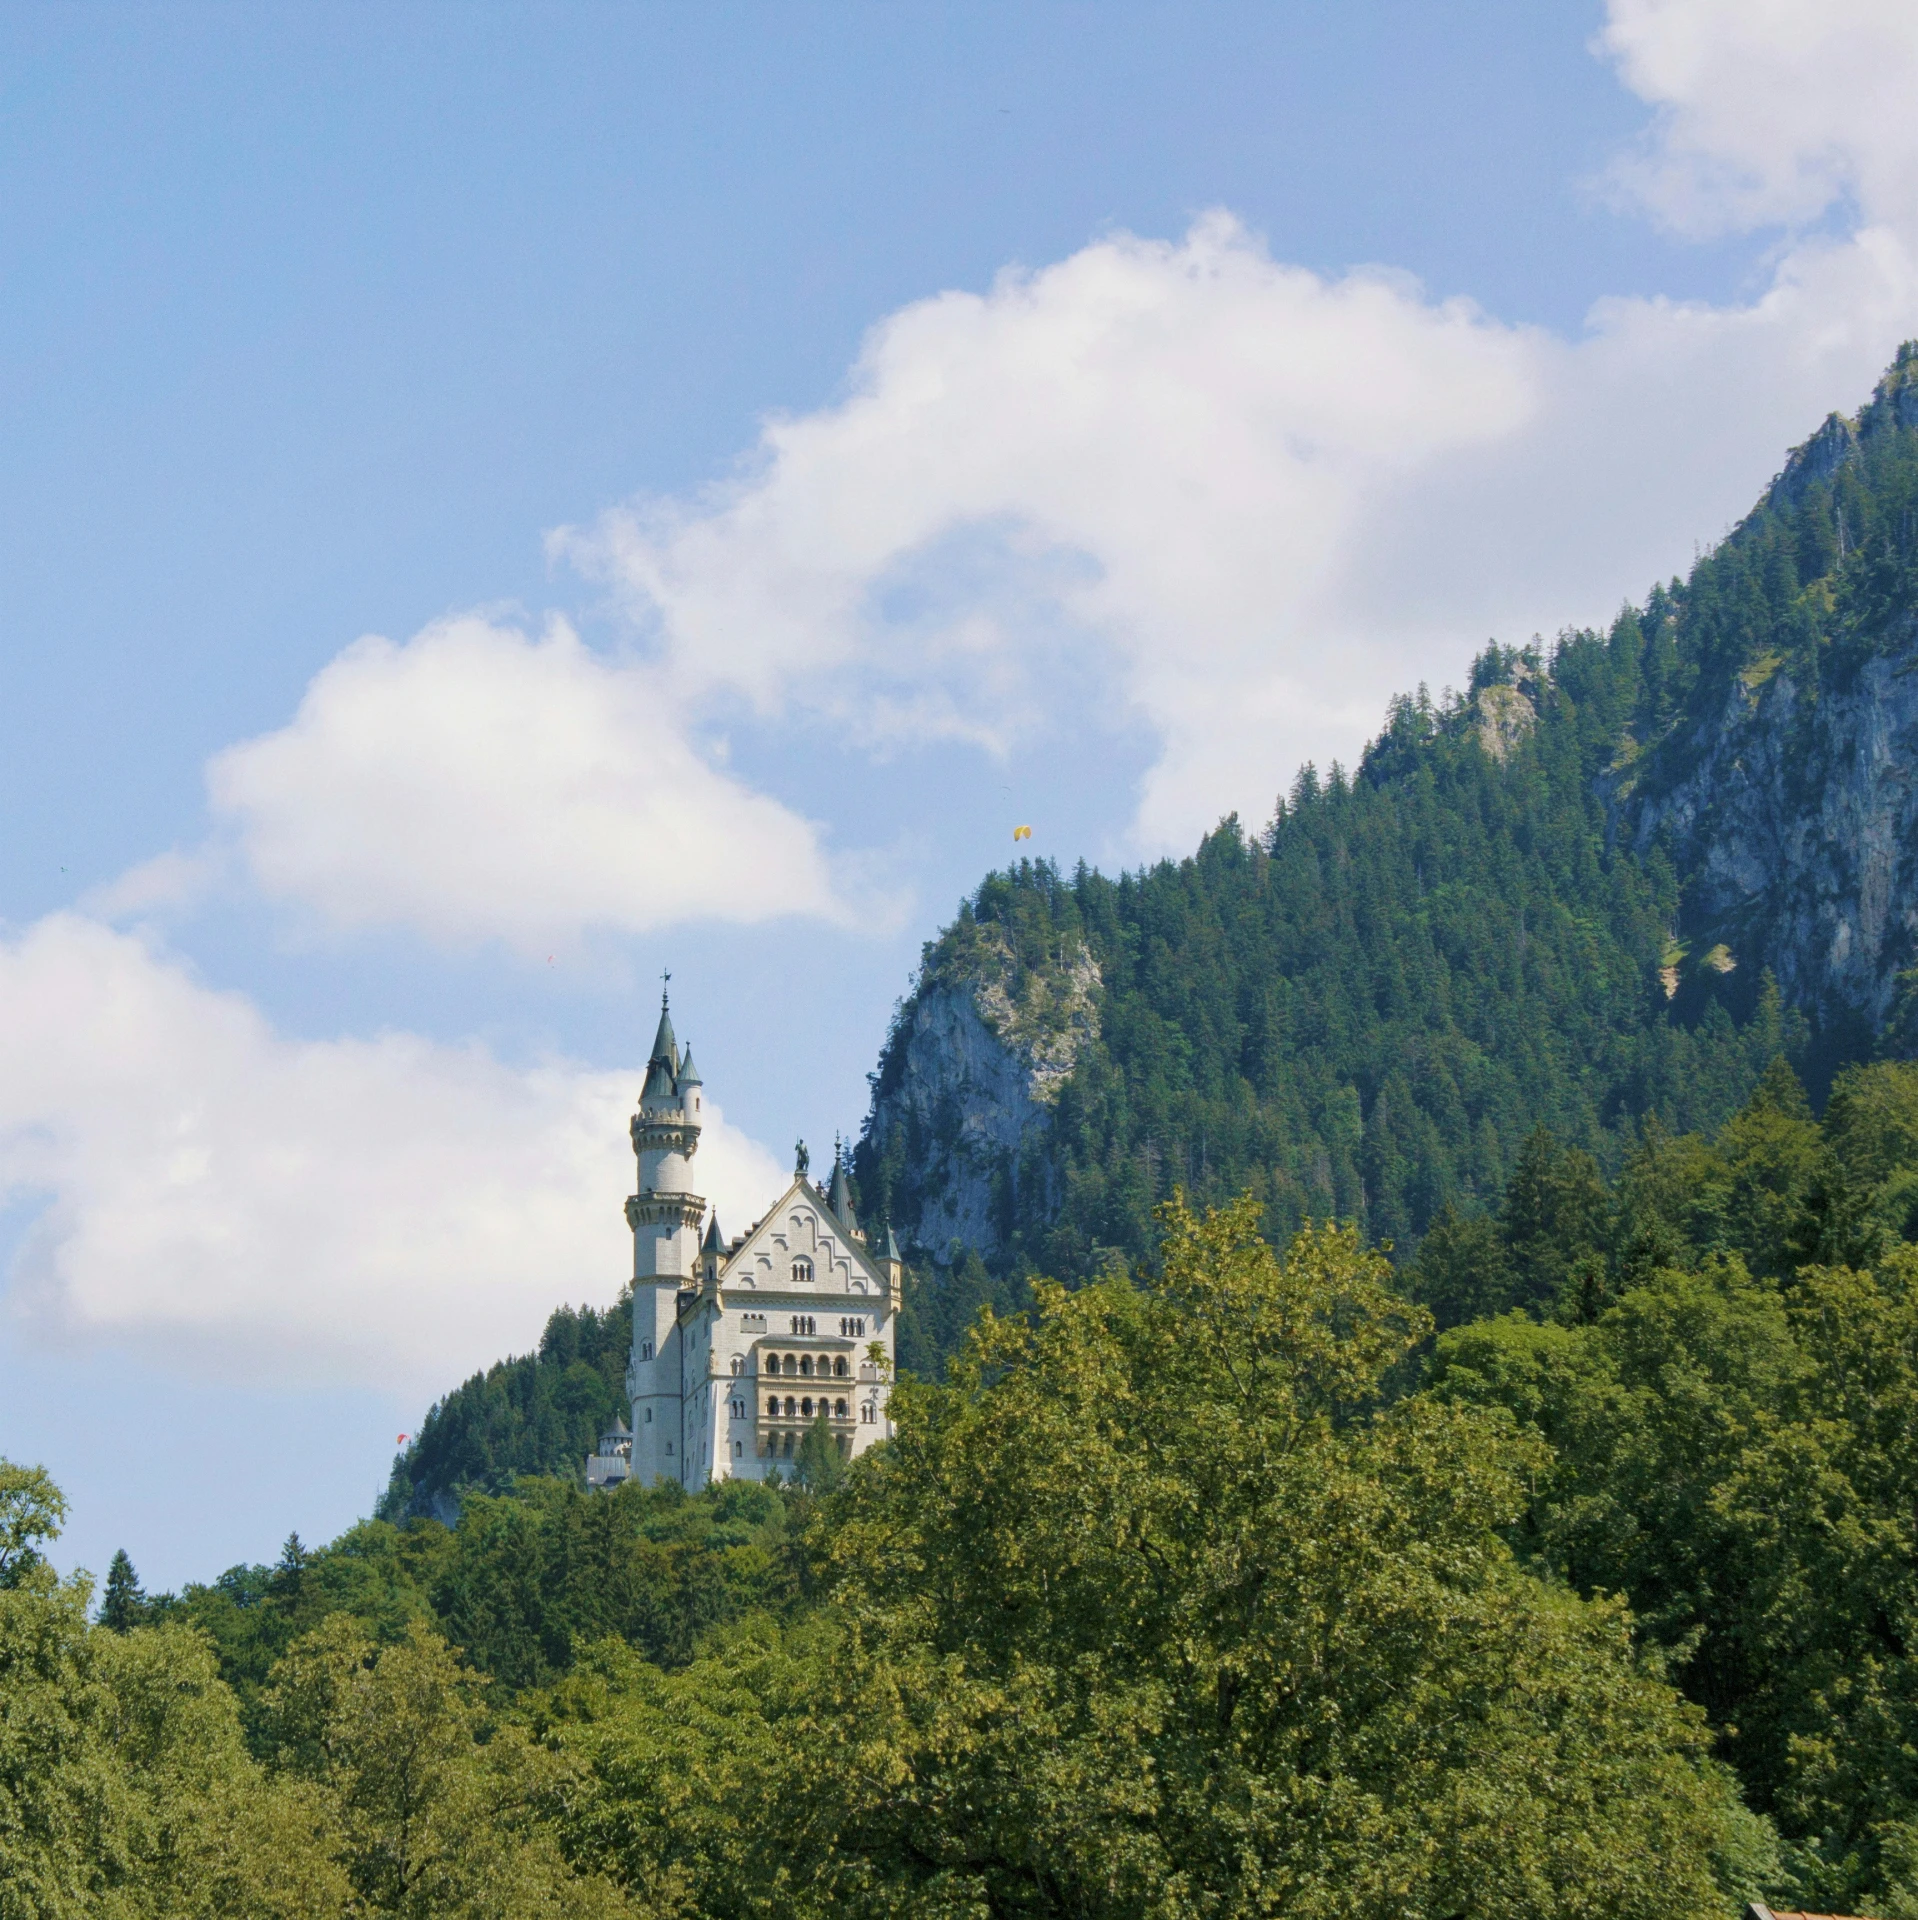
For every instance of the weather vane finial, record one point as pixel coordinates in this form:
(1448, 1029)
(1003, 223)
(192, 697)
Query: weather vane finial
(665, 981)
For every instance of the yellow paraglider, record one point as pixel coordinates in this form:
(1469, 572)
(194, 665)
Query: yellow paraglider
(1022, 833)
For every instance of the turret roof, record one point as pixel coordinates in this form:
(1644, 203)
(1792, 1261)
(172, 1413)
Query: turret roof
(688, 1073)
(840, 1197)
(665, 1047)
(713, 1243)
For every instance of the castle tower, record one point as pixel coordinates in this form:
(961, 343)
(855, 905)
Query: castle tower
(664, 1214)
(744, 1350)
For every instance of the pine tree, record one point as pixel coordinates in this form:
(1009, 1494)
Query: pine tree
(819, 1463)
(124, 1606)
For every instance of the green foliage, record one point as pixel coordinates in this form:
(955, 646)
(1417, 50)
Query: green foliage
(1365, 1011)
(434, 1821)
(31, 1510)
(1158, 1607)
(125, 1789)
(530, 1577)
(521, 1581)
(541, 1413)
(124, 1605)
(1732, 1439)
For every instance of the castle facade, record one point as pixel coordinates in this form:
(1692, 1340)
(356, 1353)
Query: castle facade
(740, 1346)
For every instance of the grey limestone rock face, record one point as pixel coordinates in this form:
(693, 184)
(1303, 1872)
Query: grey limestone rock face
(1795, 826)
(984, 1048)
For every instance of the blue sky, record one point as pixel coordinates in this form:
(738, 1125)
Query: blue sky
(777, 450)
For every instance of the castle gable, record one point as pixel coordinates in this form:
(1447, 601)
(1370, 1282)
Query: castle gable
(801, 1247)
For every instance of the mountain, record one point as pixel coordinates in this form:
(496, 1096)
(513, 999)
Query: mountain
(1609, 880)
(1612, 879)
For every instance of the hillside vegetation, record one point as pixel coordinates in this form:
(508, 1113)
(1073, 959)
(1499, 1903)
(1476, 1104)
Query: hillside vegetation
(1522, 909)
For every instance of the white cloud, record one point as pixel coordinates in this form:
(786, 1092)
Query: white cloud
(387, 1211)
(476, 784)
(1769, 110)
(1267, 500)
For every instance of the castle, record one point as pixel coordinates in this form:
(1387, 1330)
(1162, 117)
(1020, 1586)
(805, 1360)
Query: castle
(740, 1346)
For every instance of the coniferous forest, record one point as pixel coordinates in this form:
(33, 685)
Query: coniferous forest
(1433, 1430)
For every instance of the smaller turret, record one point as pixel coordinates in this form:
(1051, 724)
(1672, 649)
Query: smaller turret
(712, 1250)
(892, 1266)
(839, 1196)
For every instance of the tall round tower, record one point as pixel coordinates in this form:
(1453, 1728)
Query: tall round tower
(664, 1214)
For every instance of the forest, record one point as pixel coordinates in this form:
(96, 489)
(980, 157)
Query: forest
(1364, 1009)
(1436, 1432)
(1565, 1567)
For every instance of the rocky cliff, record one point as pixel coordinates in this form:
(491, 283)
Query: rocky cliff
(1783, 792)
(1794, 828)
(964, 1094)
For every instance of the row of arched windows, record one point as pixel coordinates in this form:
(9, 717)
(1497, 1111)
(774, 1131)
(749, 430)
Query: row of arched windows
(805, 1365)
(803, 1409)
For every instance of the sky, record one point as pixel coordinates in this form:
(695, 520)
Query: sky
(497, 503)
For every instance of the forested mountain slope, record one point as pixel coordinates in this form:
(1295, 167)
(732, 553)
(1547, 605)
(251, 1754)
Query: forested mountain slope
(1560, 897)
(1611, 879)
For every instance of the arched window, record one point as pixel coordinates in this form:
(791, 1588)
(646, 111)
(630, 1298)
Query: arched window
(805, 1366)
(865, 1413)
(772, 1407)
(739, 1366)
(738, 1449)
(839, 1409)
(839, 1367)
(772, 1363)
(649, 1416)
(788, 1448)
(802, 1270)
(805, 1407)
(645, 1349)
(791, 1408)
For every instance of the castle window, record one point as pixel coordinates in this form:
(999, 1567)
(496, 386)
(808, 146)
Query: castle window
(649, 1416)
(839, 1367)
(805, 1407)
(853, 1329)
(772, 1363)
(788, 1448)
(772, 1405)
(645, 1349)
(839, 1409)
(805, 1366)
(738, 1448)
(669, 1446)
(802, 1270)
(739, 1366)
(865, 1413)
(791, 1406)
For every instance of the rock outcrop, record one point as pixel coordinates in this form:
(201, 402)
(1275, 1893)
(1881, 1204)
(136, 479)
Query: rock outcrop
(965, 1093)
(1794, 828)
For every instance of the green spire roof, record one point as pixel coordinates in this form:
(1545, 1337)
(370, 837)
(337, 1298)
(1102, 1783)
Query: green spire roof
(688, 1073)
(712, 1243)
(665, 1047)
(840, 1198)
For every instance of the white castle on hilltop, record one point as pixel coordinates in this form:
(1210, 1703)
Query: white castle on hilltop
(740, 1346)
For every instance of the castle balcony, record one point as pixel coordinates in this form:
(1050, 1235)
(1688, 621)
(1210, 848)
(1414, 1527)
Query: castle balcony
(664, 1210)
